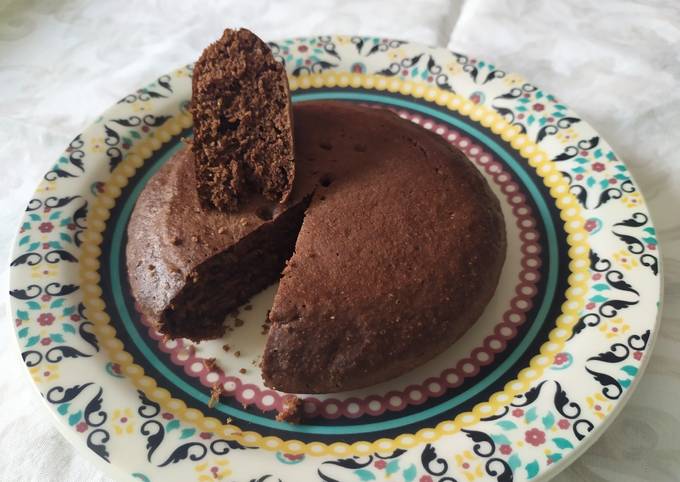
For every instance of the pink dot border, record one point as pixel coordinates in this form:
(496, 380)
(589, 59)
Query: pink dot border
(183, 354)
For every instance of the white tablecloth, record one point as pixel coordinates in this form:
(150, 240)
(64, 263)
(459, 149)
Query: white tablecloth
(618, 65)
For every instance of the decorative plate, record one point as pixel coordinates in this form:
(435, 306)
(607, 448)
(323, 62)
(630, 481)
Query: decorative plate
(524, 392)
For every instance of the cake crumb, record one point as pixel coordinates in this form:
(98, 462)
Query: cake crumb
(195, 239)
(248, 307)
(238, 322)
(242, 371)
(225, 347)
(215, 394)
(229, 419)
(237, 353)
(176, 240)
(221, 230)
(209, 363)
(291, 411)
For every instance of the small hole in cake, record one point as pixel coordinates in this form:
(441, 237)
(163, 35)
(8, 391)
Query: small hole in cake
(322, 198)
(231, 126)
(265, 213)
(360, 147)
(326, 145)
(325, 180)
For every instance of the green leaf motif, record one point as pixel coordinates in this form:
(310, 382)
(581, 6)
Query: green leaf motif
(601, 287)
(621, 167)
(532, 469)
(563, 443)
(624, 383)
(597, 299)
(630, 370)
(501, 439)
(649, 240)
(650, 230)
(604, 183)
(57, 303)
(548, 420)
(597, 153)
(364, 474)
(69, 310)
(24, 240)
(68, 328)
(22, 315)
(392, 467)
(187, 432)
(34, 217)
(172, 425)
(135, 134)
(34, 305)
(75, 418)
(32, 340)
(514, 461)
(409, 474)
(507, 424)
(530, 416)
(55, 215)
(23, 332)
(590, 181)
(57, 337)
(579, 170)
(63, 408)
(33, 246)
(66, 237)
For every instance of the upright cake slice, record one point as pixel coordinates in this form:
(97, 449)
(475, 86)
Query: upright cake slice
(243, 142)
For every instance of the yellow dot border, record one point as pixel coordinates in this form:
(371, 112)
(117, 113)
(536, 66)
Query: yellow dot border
(570, 213)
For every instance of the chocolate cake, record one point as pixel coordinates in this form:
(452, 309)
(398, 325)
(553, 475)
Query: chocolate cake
(392, 244)
(243, 142)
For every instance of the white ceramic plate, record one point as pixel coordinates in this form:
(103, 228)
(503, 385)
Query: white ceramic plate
(525, 391)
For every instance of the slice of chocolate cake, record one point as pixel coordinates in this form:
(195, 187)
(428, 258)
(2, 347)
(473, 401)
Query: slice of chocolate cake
(243, 143)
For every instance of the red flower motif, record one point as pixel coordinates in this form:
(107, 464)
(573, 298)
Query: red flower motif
(81, 427)
(520, 116)
(167, 416)
(597, 276)
(538, 107)
(46, 319)
(46, 245)
(590, 225)
(205, 435)
(651, 247)
(590, 306)
(46, 297)
(46, 227)
(71, 226)
(561, 359)
(534, 437)
(404, 72)
(598, 167)
(380, 464)
(579, 177)
(583, 152)
(294, 456)
(75, 317)
(518, 412)
(506, 449)
(425, 478)
(563, 424)
(303, 48)
(551, 119)
(637, 355)
(45, 341)
(18, 322)
(116, 368)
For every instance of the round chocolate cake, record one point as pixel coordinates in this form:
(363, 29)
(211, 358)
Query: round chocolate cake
(391, 240)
